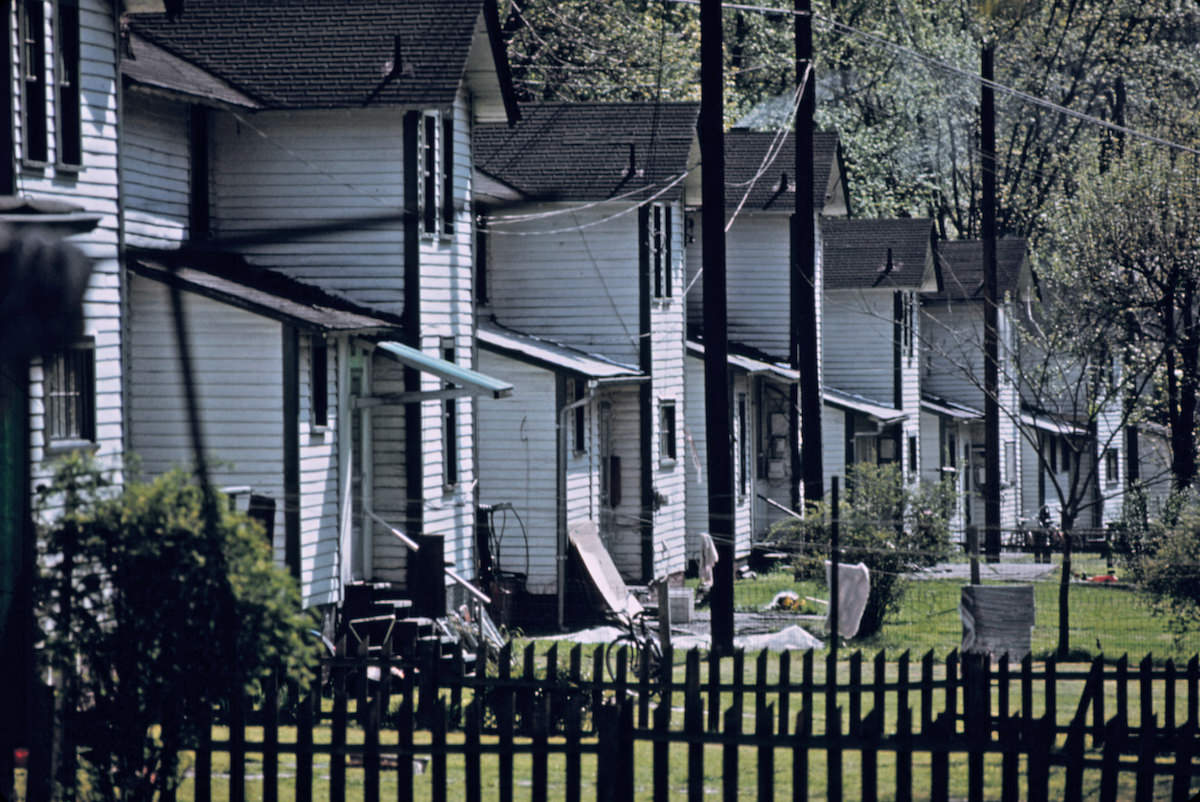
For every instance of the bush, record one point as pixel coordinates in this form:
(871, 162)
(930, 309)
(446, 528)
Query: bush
(149, 618)
(891, 527)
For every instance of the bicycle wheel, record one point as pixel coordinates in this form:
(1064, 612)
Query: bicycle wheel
(633, 659)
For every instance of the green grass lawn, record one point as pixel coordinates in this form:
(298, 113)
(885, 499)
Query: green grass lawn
(1103, 619)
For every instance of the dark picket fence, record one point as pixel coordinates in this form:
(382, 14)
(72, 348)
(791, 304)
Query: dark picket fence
(1132, 732)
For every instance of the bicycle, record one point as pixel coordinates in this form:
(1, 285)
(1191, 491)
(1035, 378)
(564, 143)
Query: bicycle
(641, 644)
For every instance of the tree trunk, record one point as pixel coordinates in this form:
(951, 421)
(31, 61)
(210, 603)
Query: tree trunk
(1183, 435)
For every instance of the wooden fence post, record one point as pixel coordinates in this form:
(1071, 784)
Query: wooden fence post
(855, 691)
(693, 725)
(504, 721)
(1145, 764)
(1169, 696)
(1193, 691)
(541, 728)
(1185, 748)
(785, 690)
(1040, 740)
(1009, 741)
(662, 755)
(404, 736)
(203, 783)
(764, 729)
(237, 743)
(574, 731)
(729, 752)
(800, 743)
(337, 736)
(1114, 738)
(472, 754)
(904, 752)
(437, 761)
(714, 690)
(270, 750)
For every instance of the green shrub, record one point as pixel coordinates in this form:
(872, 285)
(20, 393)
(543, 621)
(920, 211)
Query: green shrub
(150, 615)
(891, 527)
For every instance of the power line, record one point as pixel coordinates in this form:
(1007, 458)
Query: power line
(1026, 97)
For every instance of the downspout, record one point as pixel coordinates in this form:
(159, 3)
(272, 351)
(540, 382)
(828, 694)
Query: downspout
(368, 473)
(563, 545)
(345, 458)
(414, 475)
(291, 449)
(645, 394)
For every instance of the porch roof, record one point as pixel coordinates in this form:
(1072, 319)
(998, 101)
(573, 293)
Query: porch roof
(1042, 421)
(473, 381)
(264, 292)
(752, 365)
(549, 354)
(857, 403)
(951, 409)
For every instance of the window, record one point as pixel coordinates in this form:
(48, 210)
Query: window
(743, 446)
(912, 456)
(70, 395)
(449, 424)
(436, 187)
(481, 258)
(666, 433)
(33, 79)
(951, 451)
(1064, 457)
(319, 380)
(576, 388)
(908, 322)
(1112, 466)
(1010, 461)
(70, 144)
(659, 238)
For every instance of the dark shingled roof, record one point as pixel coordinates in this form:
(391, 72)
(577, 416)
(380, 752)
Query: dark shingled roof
(962, 268)
(745, 152)
(322, 54)
(855, 252)
(583, 151)
(148, 65)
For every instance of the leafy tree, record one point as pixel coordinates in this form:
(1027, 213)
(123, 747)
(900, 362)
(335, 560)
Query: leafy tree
(149, 617)
(891, 527)
(1124, 249)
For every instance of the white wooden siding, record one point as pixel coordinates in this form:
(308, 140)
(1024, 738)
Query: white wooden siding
(696, 465)
(447, 310)
(238, 364)
(94, 188)
(857, 347)
(279, 169)
(667, 350)
(517, 464)
(155, 168)
(624, 542)
(390, 487)
(833, 444)
(318, 482)
(579, 286)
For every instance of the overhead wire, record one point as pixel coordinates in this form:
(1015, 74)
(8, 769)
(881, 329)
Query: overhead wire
(1019, 94)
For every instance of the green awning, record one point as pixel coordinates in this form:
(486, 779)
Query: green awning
(472, 381)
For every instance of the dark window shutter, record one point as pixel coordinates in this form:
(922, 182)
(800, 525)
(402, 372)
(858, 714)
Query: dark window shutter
(447, 175)
(70, 133)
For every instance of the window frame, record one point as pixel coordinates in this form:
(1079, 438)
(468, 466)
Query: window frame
(450, 448)
(435, 189)
(1112, 467)
(743, 445)
(667, 433)
(68, 91)
(658, 240)
(32, 57)
(576, 391)
(81, 396)
(318, 366)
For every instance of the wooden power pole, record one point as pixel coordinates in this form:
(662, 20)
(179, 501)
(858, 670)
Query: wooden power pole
(991, 369)
(805, 412)
(716, 342)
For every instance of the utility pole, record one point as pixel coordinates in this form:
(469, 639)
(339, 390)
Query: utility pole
(716, 342)
(805, 412)
(991, 370)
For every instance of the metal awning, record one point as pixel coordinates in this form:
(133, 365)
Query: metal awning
(1047, 424)
(857, 403)
(951, 409)
(466, 381)
(551, 355)
(755, 367)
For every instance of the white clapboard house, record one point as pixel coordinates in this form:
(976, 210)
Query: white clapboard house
(952, 401)
(584, 251)
(759, 204)
(331, 147)
(61, 355)
(874, 272)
